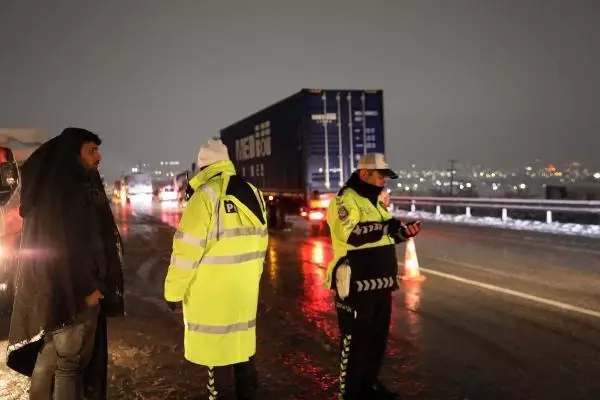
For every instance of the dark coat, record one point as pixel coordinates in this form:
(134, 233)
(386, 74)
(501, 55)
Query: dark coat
(64, 208)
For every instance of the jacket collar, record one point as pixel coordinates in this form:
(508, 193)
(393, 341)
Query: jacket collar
(206, 174)
(364, 189)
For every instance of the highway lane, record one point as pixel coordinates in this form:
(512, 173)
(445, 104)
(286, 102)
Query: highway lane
(559, 268)
(502, 314)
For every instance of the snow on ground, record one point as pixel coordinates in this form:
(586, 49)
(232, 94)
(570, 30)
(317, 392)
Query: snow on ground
(516, 224)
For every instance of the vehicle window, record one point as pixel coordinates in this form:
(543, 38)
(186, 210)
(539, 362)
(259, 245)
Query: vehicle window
(9, 174)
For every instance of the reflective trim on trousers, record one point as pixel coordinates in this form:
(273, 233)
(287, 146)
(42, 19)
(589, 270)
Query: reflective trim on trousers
(220, 330)
(374, 284)
(344, 357)
(211, 385)
(234, 259)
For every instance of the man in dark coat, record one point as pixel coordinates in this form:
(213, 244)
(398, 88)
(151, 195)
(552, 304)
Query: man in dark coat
(69, 276)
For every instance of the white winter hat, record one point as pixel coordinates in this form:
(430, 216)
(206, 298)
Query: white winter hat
(211, 152)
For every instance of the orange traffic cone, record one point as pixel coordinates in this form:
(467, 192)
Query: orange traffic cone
(411, 263)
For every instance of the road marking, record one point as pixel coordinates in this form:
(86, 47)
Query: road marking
(475, 267)
(498, 289)
(525, 242)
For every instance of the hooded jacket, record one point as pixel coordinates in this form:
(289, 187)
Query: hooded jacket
(70, 246)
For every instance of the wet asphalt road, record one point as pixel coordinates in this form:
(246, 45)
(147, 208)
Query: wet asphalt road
(502, 315)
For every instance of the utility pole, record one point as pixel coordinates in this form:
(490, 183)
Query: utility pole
(452, 172)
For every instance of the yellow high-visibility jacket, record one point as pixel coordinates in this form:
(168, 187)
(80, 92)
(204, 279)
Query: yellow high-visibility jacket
(216, 265)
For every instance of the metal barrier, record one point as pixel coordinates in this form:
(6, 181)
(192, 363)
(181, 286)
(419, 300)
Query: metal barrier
(569, 210)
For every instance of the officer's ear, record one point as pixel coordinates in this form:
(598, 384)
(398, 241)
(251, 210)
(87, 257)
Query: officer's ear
(363, 174)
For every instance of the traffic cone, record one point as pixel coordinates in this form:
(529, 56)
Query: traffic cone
(411, 263)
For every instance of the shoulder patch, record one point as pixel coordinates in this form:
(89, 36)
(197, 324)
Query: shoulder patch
(230, 207)
(342, 213)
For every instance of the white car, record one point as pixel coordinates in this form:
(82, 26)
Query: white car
(167, 193)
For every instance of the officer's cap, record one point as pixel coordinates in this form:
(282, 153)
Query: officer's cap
(376, 161)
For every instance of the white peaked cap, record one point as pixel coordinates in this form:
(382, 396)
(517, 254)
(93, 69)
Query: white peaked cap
(376, 161)
(211, 152)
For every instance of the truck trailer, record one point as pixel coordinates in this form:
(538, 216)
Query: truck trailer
(301, 150)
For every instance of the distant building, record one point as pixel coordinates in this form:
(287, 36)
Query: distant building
(161, 171)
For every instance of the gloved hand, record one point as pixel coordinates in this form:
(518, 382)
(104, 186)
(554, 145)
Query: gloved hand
(172, 305)
(411, 229)
(393, 227)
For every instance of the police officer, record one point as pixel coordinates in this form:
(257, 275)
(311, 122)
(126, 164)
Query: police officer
(216, 265)
(363, 273)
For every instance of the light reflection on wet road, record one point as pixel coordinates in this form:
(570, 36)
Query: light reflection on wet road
(449, 340)
(452, 340)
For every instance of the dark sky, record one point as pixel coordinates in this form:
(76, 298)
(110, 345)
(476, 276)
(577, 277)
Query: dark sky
(496, 82)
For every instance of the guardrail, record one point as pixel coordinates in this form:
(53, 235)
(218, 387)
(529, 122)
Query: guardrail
(566, 210)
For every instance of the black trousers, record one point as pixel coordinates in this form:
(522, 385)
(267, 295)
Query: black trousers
(364, 321)
(245, 381)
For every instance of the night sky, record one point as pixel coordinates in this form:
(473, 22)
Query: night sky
(492, 82)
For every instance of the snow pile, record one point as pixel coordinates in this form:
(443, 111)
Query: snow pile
(517, 224)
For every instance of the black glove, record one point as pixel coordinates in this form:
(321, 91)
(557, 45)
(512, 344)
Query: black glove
(393, 226)
(172, 305)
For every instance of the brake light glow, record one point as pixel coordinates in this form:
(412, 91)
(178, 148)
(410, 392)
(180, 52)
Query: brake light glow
(316, 215)
(320, 203)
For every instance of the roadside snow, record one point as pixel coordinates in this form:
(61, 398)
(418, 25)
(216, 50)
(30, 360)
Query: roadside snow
(516, 224)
